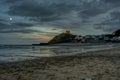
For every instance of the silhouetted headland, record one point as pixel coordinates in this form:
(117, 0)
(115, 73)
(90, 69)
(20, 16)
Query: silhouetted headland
(68, 37)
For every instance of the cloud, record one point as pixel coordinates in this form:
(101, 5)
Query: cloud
(4, 25)
(112, 1)
(23, 24)
(25, 9)
(54, 10)
(91, 12)
(10, 1)
(115, 15)
(75, 14)
(17, 27)
(45, 19)
(111, 24)
(17, 31)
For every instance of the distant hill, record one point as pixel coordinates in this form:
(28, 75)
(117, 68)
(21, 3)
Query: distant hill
(62, 38)
(117, 32)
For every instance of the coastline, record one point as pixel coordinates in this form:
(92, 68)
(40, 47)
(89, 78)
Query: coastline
(98, 65)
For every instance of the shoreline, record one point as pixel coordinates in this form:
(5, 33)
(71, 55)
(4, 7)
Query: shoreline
(98, 65)
(60, 56)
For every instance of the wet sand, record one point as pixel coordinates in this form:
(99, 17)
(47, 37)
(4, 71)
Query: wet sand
(98, 65)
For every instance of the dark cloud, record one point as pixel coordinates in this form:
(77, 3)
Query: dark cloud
(45, 19)
(46, 10)
(108, 29)
(17, 31)
(23, 24)
(4, 25)
(2, 20)
(11, 1)
(112, 24)
(115, 15)
(30, 9)
(17, 27)
(91, 12)
(112, 1)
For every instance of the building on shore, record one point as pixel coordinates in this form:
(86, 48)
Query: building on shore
(92, 39)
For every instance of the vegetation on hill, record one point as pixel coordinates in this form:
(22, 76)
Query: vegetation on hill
(62, 38)
(117, 32)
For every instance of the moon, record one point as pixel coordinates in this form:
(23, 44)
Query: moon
(11, 19)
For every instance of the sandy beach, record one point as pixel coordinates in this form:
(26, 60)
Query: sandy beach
(97, 65)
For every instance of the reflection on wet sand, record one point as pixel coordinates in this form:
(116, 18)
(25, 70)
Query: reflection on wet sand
(18, 53)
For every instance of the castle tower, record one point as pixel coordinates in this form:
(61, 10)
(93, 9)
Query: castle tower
(67, 32)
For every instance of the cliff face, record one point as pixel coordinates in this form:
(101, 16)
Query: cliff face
(62, 38)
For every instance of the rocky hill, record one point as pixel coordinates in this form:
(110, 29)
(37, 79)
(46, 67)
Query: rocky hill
(62, 38)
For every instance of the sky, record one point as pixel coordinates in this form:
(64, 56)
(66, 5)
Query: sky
(36, 21)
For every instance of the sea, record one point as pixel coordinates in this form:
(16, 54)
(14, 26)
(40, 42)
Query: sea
(13, 53)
